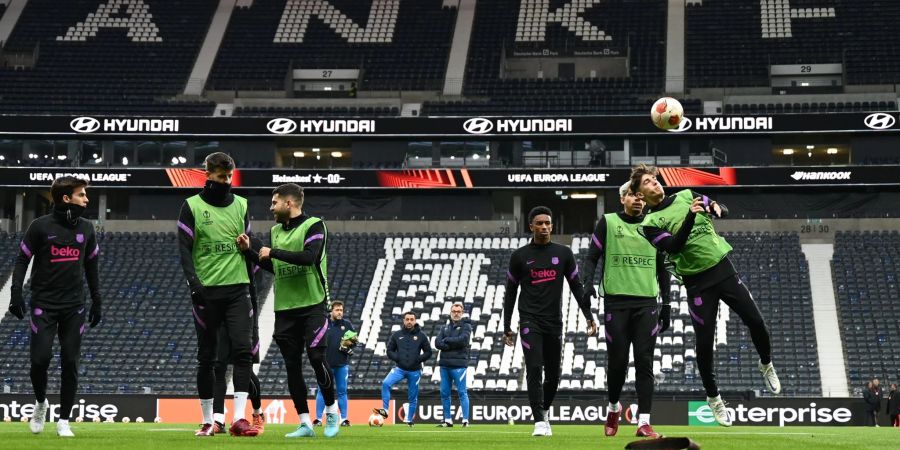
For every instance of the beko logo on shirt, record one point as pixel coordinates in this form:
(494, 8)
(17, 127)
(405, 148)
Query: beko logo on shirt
(803, 175)
(481, 125)
(110, 125)
(541, 275)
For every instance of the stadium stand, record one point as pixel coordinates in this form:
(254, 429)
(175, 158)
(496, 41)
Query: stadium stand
(495, 28)
(344, 111)
(406, 47)
(812, 107)
(733, 42)
(865, 267)
(381, 276)
(123, 56)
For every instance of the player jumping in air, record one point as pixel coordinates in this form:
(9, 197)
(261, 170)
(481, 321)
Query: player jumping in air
(681, 226)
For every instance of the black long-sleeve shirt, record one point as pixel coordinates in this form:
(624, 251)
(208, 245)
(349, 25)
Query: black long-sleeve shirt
(665, 241)
(595, 260)
(65, 253)
(186, 249)
(540, 270)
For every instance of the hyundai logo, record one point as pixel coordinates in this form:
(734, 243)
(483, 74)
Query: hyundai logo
(684, 125)
(880, 121)
(84, 124)
(281, 126)
(478, 125)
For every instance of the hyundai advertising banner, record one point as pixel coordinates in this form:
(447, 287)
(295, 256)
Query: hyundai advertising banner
(123, 177)
(438, 127)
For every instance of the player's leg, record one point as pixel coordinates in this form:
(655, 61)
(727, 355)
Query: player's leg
(320, 408)
(736, 295)
(459, 377)
(258, 419)
(71, 328)
(392, 378)
(412, 380)
(616, 324)
(704, 308)
(289, 337)
(552, 368)
(43, 330)
(533, 350)
(341, 379)
(316, 326)
(446, 387)
(644, 329)
(207, 319)
(223, 356)
(239, 324)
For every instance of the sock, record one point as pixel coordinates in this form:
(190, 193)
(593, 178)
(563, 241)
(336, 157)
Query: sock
(206, 406)
(240, 403)
(614, 407)
(643, 419)
(258, 411)
(332, 409)
(219, 417)
(304, 418)
(765, 361)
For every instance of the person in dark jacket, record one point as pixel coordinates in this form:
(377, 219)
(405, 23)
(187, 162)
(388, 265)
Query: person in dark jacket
(338, 357)
(878, 394)
(871, 404)
(408, 348)
(893, 406)
(453, 342)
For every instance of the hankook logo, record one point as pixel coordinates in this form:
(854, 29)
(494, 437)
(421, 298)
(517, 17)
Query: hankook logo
(84, 125)
(478, 125)
(281, 126)
(684, 125)
(880, 121)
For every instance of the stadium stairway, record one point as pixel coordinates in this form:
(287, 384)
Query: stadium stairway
(825, 315)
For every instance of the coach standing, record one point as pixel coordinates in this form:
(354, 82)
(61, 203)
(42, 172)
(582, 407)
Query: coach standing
(453, 342)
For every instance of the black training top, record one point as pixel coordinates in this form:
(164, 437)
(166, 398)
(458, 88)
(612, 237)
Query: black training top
(63, 250)
(540, 270)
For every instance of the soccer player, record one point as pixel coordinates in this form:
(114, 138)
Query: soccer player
(681, 226)
(453, 342)
(299, 259)
(218, 276)
(338, 357)
(408, 347)
(225, 357)
(540, 268)
(65, 252)
(632, 275)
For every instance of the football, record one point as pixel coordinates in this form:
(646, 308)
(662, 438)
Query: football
(375, 420)
(79, 419)
(667, 113)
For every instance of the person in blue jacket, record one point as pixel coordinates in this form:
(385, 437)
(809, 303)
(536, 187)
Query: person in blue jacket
(408, 347)
(338, 357)
(453, 342)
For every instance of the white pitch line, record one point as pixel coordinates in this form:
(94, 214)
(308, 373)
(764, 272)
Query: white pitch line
(761, 433)
(172, 429)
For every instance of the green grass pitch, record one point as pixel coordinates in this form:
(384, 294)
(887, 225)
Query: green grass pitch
(426, 436)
